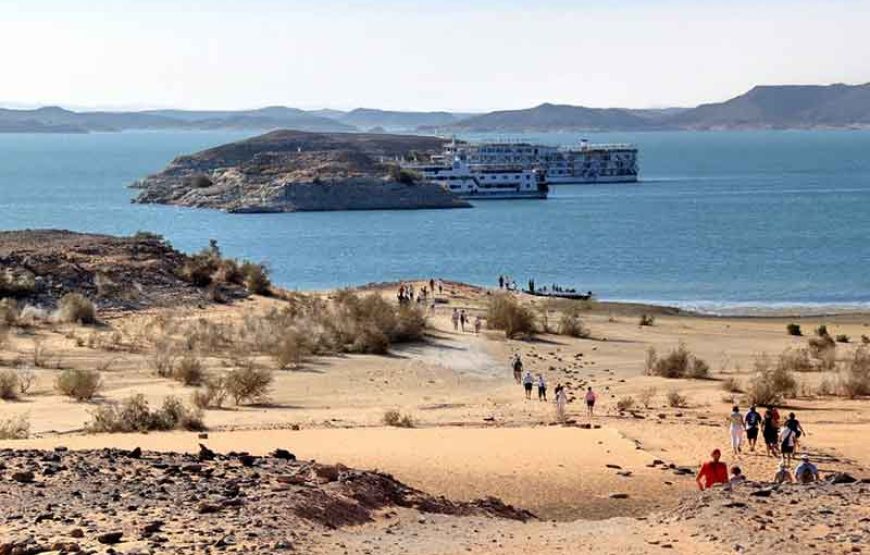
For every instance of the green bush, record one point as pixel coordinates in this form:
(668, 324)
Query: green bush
(505, 313)
(76, 308)
(794, 329)
(81, 385)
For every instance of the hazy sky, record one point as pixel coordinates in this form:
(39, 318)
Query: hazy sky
(415, 54)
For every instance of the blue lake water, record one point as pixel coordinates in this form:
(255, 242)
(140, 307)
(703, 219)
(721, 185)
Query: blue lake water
(721, 220)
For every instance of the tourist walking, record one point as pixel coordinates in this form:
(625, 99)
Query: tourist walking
(590, 402)
(770, 433)
(478, 323)
(517, 365)
(528, 381)
(462, 319)
(455, 318)
(786, 443)
(501, 282)
(752, 421)
(712, 472)
(735, 425)
(561, 402)
(794, 425)
(542, 388)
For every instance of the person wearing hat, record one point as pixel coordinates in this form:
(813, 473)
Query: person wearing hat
(806, 472)
(712, 472)
(783, 474)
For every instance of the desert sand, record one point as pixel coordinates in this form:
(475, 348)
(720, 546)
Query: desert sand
(474, 434)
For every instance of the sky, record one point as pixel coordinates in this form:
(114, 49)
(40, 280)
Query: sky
(472, 55)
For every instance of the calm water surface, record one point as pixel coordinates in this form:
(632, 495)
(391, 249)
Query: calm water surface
(721, 221)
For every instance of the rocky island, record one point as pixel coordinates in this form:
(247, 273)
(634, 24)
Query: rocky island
(288, 171)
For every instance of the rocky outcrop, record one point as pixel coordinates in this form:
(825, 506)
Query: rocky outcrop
(288, 171)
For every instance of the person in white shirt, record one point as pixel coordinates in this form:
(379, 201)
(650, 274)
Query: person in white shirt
(528, 381)
(806, 472)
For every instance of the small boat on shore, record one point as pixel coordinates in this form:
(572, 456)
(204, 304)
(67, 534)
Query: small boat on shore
(561, 294)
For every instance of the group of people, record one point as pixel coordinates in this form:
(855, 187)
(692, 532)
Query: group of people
(461, 318)
(780, 438)
(715, 472)
(406, 293)
(505, 282)
(530, 382)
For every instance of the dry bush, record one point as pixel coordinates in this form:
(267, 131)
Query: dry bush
(76, 308)
(771, 383)
(646, 396)
(822, 331)
(625, 403)
(212, 395)
(39, 355)
(842, 338)
(679, 363)
(731, 385)
(10, 386)
(26, 379)
(823, 349)
(506, 313)
(162, 359)
(9, 312)
(572, 325)
(676, 400)
(855, 381)
(188, 370)
(291, 349)
(81, 385)
(650, 361)
(397, 419)
(646, 320)
(865, 339)
(794, 329)
(796, 360)
(134, 415)
(32, 315)
(17, 427)
(17, 283)
(255, 278)
(4, 335)
(248, 384)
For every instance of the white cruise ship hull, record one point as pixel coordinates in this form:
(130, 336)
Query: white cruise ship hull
(502, 195)
(579, 180)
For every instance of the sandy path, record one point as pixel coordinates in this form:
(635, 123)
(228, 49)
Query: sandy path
(555, 472)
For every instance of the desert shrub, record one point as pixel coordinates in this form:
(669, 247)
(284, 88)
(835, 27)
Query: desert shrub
(188, 370)
(291, 349)
(679, 363)
(625, 403)
(211, 395)
(771, 383)
(794, 329)
(248, 384)
(842, 338)
(824, 387)
(822, 331)
(17, 427)
(397, 419)
(81, 385)
(646, 320)
(255, 278)
(162, 359)
(571, 325)
(796, 360)
(823, 350)
(506, 313)
(26, 379)
(676, 400)
(731, 385)
(10, 386)
(865, 340)
(76, 308)
(646, 396)
(39, 354)
(199, 269)
(31, 315)
(650, 361)
(855, 381)
(134, 415)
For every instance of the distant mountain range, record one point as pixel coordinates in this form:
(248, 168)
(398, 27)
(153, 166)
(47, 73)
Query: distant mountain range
(763, 107)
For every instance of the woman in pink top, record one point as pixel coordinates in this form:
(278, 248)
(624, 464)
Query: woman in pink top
(590, 402)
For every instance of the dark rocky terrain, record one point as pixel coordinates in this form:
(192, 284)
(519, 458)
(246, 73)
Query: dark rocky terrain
(39, 267)
(144, 502)
(287, 171)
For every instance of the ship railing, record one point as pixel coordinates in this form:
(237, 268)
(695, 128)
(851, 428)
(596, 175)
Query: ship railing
(597, 146)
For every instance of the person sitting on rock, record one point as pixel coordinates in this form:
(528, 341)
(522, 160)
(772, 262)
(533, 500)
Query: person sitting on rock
(806, 472)
(737, 476)
(783, 475)
(712, 472)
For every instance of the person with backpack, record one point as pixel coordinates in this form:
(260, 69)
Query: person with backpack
(735, 428)
(517, 365)
(794, 425)
(786, 444)
(752, 421)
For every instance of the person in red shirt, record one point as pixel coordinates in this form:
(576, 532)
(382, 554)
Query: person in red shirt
(712, 472)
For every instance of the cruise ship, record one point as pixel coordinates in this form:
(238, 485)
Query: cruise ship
(586, 163)
(501, 181)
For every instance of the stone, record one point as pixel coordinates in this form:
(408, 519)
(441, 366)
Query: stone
(110, 538)
(23, 476)
(619, 496)
(283, 454)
